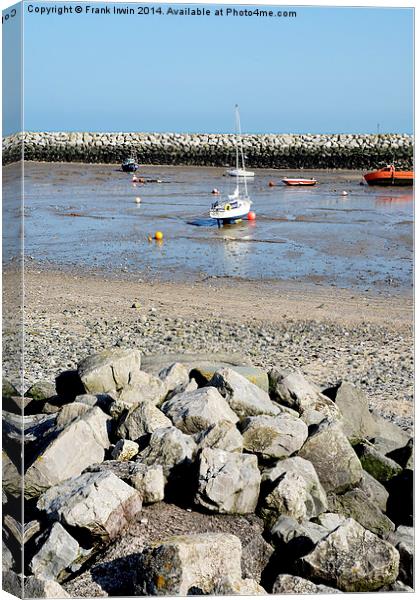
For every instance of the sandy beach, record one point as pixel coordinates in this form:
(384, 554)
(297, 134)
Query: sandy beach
(330, 334)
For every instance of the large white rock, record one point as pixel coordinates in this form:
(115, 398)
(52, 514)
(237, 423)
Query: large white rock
(142, 420)
(273, 437)
(222, 435)
(175, 377)
(109, 370)
(192, 412)
(169, 448)
(187, 564)
(148, 480)
(358, 423)
(294, 491)
(294, 390)
(299, 538)
(292, 584)
(100, 503)
(58, 556)
(244, 398)
(228, 482)
(352, 559)
(334, 459)
(70, 412)
(79, 445)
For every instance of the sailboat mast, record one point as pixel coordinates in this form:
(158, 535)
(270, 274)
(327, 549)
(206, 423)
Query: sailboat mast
(237, 147)
(238, 123)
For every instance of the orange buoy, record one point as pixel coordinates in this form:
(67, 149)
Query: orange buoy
(271, 184)
(251, 216)
(158, 236)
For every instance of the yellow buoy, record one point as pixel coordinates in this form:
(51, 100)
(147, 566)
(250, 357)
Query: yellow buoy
(158, 235)
(137, 200)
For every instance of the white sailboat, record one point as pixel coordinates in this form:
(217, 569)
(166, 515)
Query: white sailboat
(238, 204)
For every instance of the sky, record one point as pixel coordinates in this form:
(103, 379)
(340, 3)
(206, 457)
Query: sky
(328, 70)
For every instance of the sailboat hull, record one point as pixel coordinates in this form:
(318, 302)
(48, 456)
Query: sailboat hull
(241, 173)
(229, 214)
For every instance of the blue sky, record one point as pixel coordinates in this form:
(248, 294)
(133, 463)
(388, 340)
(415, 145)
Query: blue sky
(328, 70)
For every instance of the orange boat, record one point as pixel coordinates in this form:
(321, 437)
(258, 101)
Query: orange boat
(390, 176)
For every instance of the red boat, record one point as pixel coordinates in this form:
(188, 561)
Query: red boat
(291, 181)
(390, 176)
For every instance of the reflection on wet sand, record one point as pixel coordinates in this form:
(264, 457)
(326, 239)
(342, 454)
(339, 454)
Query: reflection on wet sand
(86, 216)
(395, 199)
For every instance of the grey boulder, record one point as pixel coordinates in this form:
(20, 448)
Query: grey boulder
(148, 480)
(188, 564)
(99, 503)
(245, 398)
(238, 587)
(294, 490)
(109, 370)
(296, 539)
(175, 377)
(376, 464)
(32, 587)
(80, 444)
(403, 540)
(356, 504)
(358, 423)
(334, 459)
(228, 482)
(192, 412)
(141, 420)
(273, 437)
(222, 435)
(292, 584)
(375, 491)
(352, 559)
(169, 448)
(59, 556)
(294, 390)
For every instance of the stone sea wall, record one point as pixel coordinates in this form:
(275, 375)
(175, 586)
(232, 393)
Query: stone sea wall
(340, 151)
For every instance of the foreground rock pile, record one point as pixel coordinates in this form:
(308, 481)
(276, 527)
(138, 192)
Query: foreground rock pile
(339, 151)
(304, 490)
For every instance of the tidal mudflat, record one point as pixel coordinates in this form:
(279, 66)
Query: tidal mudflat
(86, 216)
(160, 367)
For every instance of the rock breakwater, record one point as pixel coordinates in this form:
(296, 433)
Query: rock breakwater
(293, 151)
(257, 479)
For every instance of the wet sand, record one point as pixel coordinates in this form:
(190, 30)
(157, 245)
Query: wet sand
(321, 282)
(85, 216)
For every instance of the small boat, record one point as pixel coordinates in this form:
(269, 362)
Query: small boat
(232, 210)
(129, 165)
(299, 181)
(389, 175)
(240, 173)
(238, 204)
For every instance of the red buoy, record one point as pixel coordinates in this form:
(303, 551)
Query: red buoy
(251, 216)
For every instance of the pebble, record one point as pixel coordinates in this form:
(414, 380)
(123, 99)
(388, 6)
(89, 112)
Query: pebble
(373, 357)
